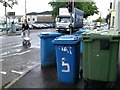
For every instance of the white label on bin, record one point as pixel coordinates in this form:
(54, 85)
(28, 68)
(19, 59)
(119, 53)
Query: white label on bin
(65, 65)
(66, 49)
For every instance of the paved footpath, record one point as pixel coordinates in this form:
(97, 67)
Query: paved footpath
(39, 77)
(43, 78)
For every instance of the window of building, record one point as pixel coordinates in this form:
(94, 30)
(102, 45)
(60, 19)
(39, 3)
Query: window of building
(33, 19)
(28, 19)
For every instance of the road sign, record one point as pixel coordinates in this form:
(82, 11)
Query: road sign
(11, 13)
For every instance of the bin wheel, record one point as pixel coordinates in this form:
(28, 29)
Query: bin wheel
(113, 84)
(81, 73)
(110, 85)
(29, 44)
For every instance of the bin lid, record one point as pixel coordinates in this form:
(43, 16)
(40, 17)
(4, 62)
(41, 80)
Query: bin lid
(66, 39)
(100, 36)
(97, 31)
(81, 31)
(49, 34)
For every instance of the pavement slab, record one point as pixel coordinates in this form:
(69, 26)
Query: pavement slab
(47, 78)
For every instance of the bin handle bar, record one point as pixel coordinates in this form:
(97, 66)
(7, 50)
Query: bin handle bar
(116, 38)
(86, 38)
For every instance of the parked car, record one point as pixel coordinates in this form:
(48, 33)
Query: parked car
(18, 27)
(35, 26)
(52, 25)
(1, 26)
(30, 26)
(42, 25)
(45, 25)
(4, 27)
(89, 26)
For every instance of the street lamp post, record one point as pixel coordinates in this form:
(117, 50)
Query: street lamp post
(5, 4)
(25, 10)
(70, 9)
(100, 19)
(110, 11)
(109, 18)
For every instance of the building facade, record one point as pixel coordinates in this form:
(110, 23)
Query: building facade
(43, 17)
(113, 14)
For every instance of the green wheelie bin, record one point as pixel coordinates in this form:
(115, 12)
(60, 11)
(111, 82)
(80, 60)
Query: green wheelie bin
(100, 56)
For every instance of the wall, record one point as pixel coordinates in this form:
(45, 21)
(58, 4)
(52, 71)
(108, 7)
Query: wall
(45, 19)
(31, 17)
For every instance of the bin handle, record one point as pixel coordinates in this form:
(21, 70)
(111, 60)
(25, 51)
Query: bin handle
(86, 38)
(115, 39)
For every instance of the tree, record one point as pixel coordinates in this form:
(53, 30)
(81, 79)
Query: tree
(89, 8)
(98, 20)
(8, 3)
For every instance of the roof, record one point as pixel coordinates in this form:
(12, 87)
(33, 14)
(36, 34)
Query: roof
(41, 13)
(45, 13)
(32, 13)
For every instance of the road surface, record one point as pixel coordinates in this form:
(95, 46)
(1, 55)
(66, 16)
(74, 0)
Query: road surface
(15, 58)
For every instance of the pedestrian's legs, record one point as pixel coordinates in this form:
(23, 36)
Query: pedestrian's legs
(28, 32)
(23, 33)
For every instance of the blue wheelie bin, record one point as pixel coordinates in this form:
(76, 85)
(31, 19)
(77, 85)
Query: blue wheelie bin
(79, 33)
(47, 51)
(67, 58)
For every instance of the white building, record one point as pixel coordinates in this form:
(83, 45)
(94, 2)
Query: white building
(43, 17)
(113, 14)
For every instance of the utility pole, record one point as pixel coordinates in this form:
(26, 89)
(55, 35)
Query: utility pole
(100, 19)
(70, 9)
(109, 20)
(71, 23)
(25, 10)
(5, 4)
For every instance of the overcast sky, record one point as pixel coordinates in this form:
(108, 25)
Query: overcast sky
(42, 5)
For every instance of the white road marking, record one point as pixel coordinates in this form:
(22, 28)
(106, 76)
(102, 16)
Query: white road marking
(24, 52)
(3, 72)
(1, 60)
(18, 50)
(5, 53)
(1, 37)
(18, 72)
(10, 55)
(16, 54)
(29, 67)
(17, 45)
(38, 47)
